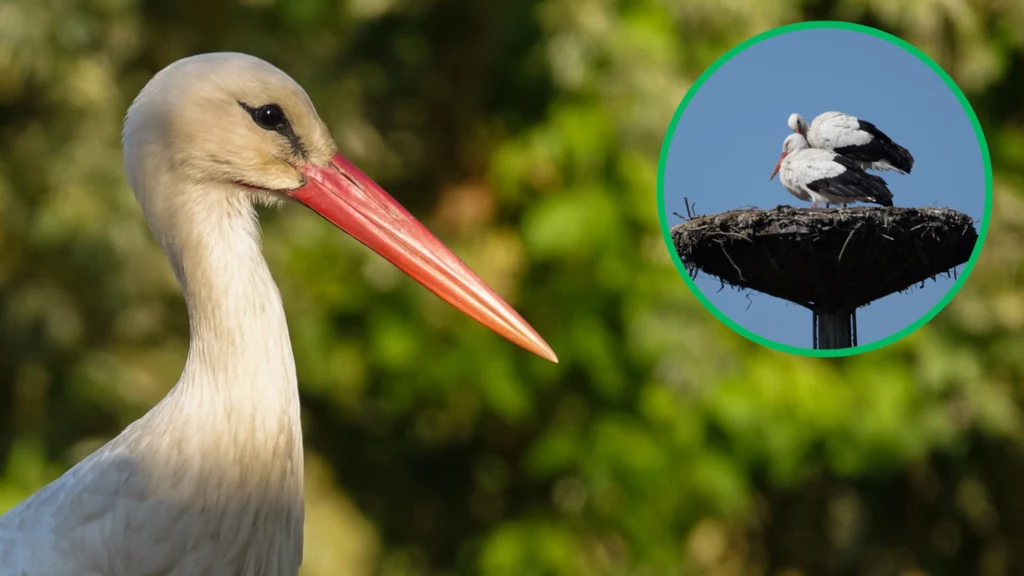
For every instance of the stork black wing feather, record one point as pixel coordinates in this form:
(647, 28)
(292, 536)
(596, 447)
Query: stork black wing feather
(854, 183)
(880, 147)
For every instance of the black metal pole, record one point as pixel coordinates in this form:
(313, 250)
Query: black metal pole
(834, 330)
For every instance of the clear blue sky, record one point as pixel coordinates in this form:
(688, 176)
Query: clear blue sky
(731, 134)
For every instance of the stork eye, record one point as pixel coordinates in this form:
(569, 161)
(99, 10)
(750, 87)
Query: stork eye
(269, 117)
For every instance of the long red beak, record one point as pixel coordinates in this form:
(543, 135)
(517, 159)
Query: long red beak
(777, 166)
(350, 200)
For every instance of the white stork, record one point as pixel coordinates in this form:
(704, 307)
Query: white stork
(210, 481)
(856, 139)
(825, 176)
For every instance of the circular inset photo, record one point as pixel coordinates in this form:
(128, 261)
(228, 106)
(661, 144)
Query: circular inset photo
(824, 188)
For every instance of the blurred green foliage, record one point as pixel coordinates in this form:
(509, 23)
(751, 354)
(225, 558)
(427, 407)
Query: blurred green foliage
(526, 133)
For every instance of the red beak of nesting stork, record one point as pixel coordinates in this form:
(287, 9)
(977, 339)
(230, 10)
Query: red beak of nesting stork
(350, 200)
(777, 166)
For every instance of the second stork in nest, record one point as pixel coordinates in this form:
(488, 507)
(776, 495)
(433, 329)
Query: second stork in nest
(857, 139)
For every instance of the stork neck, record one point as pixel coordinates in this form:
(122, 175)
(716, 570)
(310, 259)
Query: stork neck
(225, 445)
(239, 343)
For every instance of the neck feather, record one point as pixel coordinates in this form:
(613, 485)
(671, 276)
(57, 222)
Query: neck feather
(240, 360)
(225, 445)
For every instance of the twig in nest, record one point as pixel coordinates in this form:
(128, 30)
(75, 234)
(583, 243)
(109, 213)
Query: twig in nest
(691, 209)
(847, 241)
(770, 259)
(737, 268)
(737, 235)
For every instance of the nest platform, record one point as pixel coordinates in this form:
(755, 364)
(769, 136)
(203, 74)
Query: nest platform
(831, 261)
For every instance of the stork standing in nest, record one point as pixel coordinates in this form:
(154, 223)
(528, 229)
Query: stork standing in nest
(210, 481)
(854, 138)
(825, 176)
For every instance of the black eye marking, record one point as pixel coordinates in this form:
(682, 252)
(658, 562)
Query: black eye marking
(271, 117)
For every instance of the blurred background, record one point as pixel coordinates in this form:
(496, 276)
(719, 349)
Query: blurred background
(526, 134)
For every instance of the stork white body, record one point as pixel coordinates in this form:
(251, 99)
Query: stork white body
(823, 176)
(210, 481)
(856, 139)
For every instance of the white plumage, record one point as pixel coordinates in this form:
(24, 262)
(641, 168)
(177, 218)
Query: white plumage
(854, 138)
(790, 146)
(826, 177)
(210, 481)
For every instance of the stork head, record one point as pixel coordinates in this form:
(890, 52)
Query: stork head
(219, 132)
(797, 124)
(223, 119)
(793, 143)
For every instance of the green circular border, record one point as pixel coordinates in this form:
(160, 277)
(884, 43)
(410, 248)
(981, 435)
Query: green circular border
(662, 210)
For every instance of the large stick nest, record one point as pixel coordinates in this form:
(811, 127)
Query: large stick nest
(826, 259)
